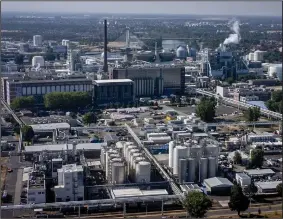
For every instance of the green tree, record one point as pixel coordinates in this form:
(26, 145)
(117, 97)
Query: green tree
(253, 114)
(277, 95)
(23, 103)
(27, 133)
(206, 109)
(237, 158)
(19, 59)
(67, 100)
(197, 204)
(89, 118)
(279, 189)
(257, 158)
(238, 201)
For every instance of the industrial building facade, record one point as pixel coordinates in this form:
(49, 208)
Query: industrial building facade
(113, 91)
(153, 81)
(39, 88)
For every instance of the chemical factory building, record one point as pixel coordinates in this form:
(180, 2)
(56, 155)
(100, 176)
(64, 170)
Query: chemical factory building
(260, 172)
(60, 147)
(50, 127)
(113, 91)
(134, 192)
(217, 185)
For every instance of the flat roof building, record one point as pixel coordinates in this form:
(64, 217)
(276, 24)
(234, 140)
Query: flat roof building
(217, 185)
(267, 187)
(259, 172)
(36, 188)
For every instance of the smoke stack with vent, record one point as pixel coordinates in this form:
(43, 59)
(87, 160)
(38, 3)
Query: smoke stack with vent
(105, 67)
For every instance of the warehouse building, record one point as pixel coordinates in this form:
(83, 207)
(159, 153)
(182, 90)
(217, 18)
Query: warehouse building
(116, 91)
(243, 179)
(260, 172)
(153, 80)
(267, 187)
(218, 186)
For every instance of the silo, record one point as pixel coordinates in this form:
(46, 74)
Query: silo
(118, 173)
(143, 171)
(191, 170)
(211, 167)
(133, 157)
(128, 150)
(136, 161)
(211, 150)
(251, 56)
(179, 152)
(258, 55)
(171, 153)
(126, 145)
(181, 52)
(195, 151)
(182, 171)
(109, 157)
(203, 169)
(37, 60)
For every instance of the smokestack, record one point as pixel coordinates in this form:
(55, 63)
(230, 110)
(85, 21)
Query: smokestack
(105, 67)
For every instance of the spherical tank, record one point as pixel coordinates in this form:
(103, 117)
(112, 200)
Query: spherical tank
(191, 170)
(143, 171)
(118, 173)
(182, 171)
(212, 167)
(181, 52)
(179, 152)
(251, 56)
(203, 169)
(171, 153)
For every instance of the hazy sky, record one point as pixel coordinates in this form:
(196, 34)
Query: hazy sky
(265, 8)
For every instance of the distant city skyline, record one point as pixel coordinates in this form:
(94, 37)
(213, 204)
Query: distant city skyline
(240, 8)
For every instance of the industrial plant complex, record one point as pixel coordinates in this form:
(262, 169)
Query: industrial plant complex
(127, 127)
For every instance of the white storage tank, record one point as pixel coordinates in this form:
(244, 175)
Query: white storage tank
(258, 55)
(203, 169)
(37, 60)
(118, 173)
(195, 151)
(137, 160)
(251, 56)
(143, 171)
(131, 153)
(179, 152)
(133, 157)
(275, 70)
(171, 153)
(182, 171)
(128, 150)
(102, 157)
(191, 170)
(120, 145)
(211, 150)
(212, 167)
(181, 52)
(109, 157)
(126, 145)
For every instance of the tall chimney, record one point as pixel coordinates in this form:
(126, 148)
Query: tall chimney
(105, 67)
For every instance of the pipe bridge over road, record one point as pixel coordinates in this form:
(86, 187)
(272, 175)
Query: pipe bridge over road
(235, 103)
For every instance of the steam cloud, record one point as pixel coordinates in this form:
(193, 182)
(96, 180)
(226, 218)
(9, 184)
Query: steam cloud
(235, 37)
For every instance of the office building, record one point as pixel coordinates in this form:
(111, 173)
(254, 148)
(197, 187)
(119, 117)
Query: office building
(38, 88)
(116, 91)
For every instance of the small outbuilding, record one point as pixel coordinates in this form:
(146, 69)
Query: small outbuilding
(218, 186)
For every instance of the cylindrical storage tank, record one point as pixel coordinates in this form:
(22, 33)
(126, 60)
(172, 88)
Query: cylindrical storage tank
(275, 70)
(109, 157)
(171, 153)
(195, 151)
(143, 171)
(181, 53)
(120, 145)
(133, 157)
(211, 167)
(182, 171)
(191, 170)
(102, 157)
(131, 152)
(118, 173)
(251, 56)
(136, 161)
(258, 55)
(179, 152)
(37, 60)
(128, 152)
(203, 169)
(126, 145)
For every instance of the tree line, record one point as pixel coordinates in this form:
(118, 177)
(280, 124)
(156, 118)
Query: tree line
(276, 102)
(55, 101)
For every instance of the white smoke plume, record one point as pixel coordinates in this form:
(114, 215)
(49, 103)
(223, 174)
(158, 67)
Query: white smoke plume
(235, 37)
